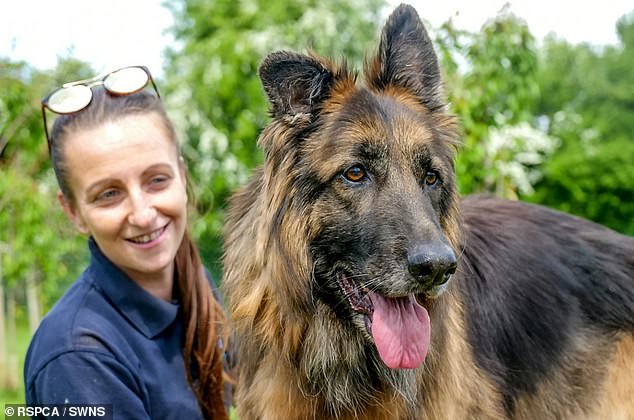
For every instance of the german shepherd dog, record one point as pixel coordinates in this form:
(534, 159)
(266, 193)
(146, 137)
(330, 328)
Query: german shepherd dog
(361, 287)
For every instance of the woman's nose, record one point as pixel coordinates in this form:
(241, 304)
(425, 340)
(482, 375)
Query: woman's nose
(143, 212)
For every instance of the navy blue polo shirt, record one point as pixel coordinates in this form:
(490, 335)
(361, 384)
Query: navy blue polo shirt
(108, 341)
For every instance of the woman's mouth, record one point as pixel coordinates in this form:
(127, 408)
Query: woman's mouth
(148, 238)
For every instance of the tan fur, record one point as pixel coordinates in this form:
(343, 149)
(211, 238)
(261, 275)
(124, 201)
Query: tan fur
(617, 400)
(587, 360)
(605, 389)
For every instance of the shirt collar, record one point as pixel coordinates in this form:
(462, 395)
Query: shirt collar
(149, 314)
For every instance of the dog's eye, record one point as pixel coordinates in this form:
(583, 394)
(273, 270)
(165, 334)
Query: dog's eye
(355, 173)
(431, 178)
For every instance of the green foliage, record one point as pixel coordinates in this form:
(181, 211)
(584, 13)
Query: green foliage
(31, 223)
(491, 83)
(20, 120)
(214, 93)
(590, 111)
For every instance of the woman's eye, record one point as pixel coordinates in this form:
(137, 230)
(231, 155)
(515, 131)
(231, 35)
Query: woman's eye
(431, 178)
(108, 195)
(355, 173)
(159, 181)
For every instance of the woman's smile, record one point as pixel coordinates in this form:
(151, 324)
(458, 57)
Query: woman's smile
(151, 239)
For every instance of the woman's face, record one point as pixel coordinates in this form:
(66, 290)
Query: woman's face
(129, 186)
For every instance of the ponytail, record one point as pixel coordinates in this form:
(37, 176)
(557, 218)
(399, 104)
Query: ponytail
(204, 322)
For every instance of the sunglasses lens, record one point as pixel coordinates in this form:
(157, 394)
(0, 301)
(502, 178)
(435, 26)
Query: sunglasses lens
(127, 80)
(69, 99)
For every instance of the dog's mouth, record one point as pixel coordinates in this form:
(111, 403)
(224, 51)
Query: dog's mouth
(400, 326)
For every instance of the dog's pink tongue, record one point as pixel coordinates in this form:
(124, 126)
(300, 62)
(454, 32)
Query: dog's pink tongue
(401, 331)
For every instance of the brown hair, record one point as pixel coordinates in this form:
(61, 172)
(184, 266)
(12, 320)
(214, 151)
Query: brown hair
(204, 319)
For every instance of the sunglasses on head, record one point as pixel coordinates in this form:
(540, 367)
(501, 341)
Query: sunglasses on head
(74, 96)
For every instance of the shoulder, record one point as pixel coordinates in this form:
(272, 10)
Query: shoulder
(83, 320)
(84, 376)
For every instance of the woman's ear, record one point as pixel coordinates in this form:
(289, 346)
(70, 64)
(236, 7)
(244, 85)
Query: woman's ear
(72, 213)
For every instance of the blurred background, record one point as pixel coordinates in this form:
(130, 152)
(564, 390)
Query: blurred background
(544, 92)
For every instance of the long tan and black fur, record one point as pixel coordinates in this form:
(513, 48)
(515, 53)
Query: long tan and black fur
(531, 310)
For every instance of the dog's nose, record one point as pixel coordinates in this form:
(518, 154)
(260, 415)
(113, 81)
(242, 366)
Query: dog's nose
(432, 264)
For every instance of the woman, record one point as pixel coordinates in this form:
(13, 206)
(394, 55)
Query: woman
(140, 328)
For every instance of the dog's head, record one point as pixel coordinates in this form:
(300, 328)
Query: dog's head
(370, 167)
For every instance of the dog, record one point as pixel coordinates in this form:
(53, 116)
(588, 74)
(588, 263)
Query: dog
(360, 286)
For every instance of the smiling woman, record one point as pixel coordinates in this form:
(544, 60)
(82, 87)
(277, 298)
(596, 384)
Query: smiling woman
(140, 329)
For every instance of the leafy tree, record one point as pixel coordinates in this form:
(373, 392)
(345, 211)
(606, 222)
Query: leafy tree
(214, 94)
(30, 220)
(491, 78)
(588, 99)
(20, 126)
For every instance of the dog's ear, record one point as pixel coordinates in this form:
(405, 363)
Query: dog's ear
(406, 59)
(295, 84)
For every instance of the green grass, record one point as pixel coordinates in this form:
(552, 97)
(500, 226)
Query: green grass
(23, 337)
